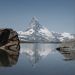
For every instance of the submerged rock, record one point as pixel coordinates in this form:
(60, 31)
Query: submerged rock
(67, 49)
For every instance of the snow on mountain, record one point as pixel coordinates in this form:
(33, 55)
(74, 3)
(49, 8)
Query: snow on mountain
(38, 33)
(29, 32)
(66, 36)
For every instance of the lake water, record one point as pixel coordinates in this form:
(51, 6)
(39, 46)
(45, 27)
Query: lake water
(41, 59)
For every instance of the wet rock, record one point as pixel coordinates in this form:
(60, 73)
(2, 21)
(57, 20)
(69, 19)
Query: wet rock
(67, 49)
(61, 48)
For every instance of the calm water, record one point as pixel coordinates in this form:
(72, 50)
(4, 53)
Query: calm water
(41, 59)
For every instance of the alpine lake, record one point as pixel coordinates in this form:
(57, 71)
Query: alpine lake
(40, 59)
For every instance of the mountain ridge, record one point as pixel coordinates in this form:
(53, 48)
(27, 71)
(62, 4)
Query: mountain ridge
(38, 33)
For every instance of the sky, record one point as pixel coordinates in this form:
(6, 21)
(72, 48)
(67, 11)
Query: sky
(56, 15)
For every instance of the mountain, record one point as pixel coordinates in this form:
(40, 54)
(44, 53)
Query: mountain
(66, 36)
(38, 33)
(63, 36)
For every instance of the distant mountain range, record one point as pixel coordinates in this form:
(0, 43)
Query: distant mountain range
(38, 33)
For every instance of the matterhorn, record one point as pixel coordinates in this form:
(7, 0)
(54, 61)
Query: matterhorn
(36, 33)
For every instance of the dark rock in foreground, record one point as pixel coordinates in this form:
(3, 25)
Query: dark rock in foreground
(9, 47)
(9, 41)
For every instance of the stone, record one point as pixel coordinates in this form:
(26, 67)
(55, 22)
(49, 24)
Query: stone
(9, 41)
(67, 49)
(9, 47)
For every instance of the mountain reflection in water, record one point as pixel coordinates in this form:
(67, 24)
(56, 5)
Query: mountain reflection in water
(36, 51)
(37, 59)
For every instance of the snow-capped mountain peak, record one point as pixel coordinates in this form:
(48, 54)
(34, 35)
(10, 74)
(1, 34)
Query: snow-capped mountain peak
(34, 23)
(38, 33)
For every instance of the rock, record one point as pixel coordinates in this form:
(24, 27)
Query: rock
(9, 41)
(61, 48)
(67, 49)
(68, 54)
(9, 47)
(4, 35)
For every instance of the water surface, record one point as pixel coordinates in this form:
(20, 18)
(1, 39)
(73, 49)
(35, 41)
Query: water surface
(41, 59)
